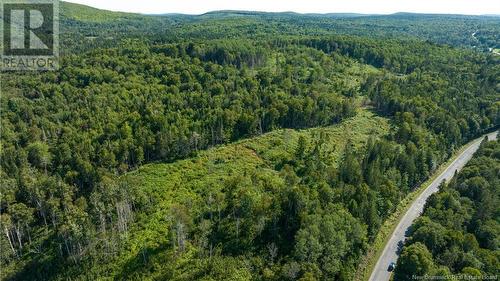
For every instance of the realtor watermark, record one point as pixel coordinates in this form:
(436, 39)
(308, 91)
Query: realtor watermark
(454, 277)
(30, 34)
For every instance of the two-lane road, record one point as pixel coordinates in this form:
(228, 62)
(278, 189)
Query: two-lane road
(380, 272)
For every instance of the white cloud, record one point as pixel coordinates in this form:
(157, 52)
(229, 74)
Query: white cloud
(475, 7)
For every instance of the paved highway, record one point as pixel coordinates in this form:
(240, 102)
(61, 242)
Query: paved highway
(380, 272)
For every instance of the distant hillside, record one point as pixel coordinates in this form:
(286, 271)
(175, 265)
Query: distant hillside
(84, 13)
(84, 28)
(454, 30)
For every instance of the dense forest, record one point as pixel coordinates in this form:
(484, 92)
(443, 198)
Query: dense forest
(459, 230)
(84, 28)
(232, 147)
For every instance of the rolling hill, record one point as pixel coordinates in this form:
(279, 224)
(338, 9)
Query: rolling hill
(80, 22)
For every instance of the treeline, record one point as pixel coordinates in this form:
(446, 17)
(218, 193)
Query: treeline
(403, 56)
(459, 231)
(116, 109)
(241, 54)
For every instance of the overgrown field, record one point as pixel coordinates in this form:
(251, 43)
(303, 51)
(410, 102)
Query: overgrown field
(191, 182)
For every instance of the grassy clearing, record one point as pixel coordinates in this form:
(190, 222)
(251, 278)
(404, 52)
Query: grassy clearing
(260, 153)
(369, 261)
(187, 182)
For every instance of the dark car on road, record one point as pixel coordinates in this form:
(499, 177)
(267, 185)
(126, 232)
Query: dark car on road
(391, 267)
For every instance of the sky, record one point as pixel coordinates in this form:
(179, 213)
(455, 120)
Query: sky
(468, 7)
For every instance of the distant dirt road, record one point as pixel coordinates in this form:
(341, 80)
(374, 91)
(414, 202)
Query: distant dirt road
(380, 272)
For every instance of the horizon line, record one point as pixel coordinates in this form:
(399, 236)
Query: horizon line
(285, 11)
